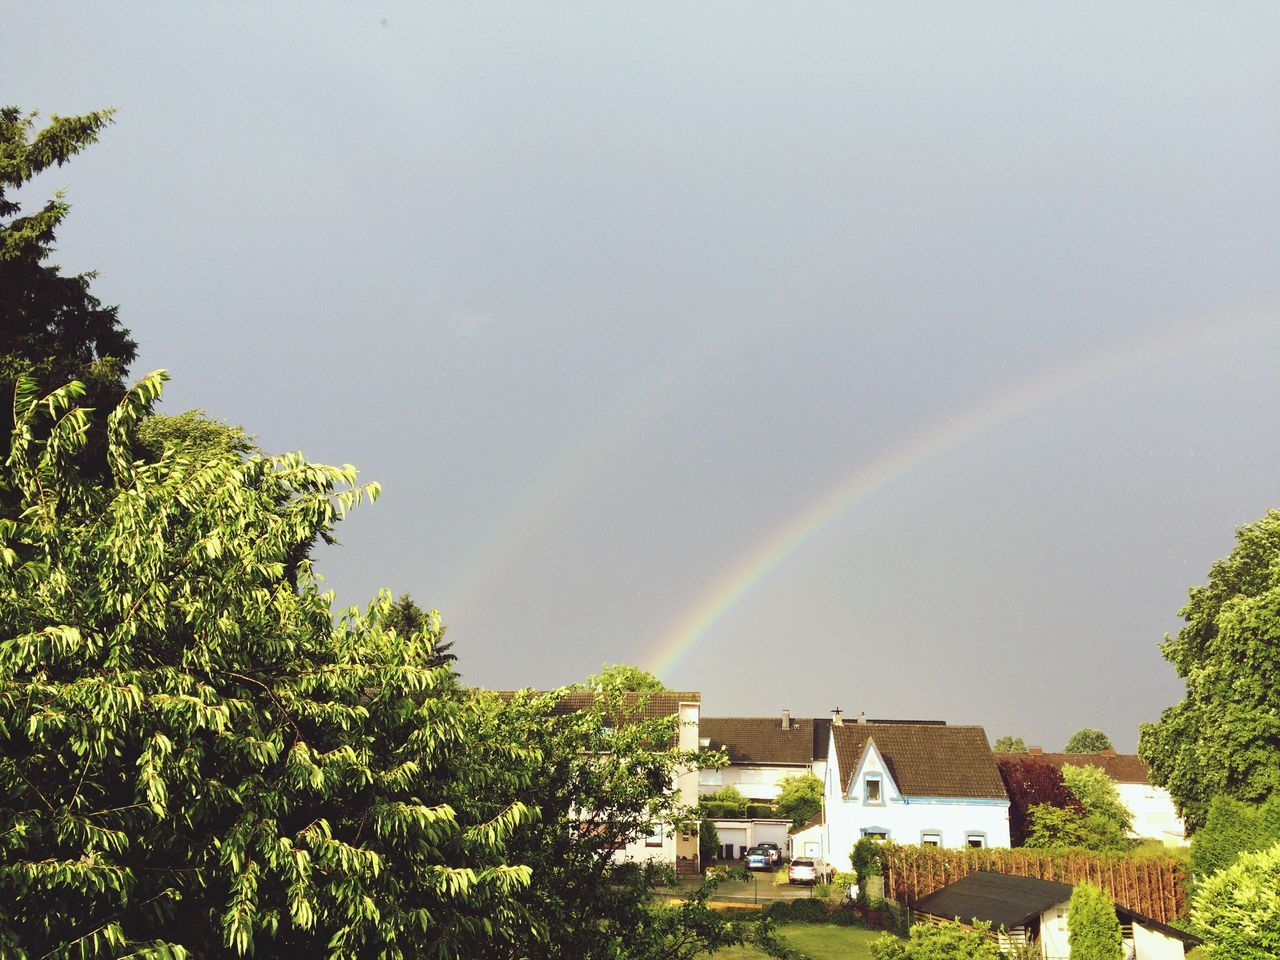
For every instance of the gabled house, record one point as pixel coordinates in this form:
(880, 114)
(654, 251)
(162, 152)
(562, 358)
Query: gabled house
(762, 752)
(1024, 910)
(1155, 816)
(913, 783)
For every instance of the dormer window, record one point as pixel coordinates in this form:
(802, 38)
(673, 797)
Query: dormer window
(871, 792)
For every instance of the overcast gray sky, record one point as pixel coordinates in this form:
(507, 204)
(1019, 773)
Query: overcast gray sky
(910, 358)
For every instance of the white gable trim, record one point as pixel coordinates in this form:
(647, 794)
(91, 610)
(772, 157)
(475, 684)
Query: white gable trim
(871, 765)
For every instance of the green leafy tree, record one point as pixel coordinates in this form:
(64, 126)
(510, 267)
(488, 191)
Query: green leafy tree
(1237, 910)
(408, 619)
(944, 941)
(622, 677)
(600, 776)
(1233, 827)
(1106, 818)
(708, 841)
(1088, 740)
(1009, 745)
(51, 327)
(1093, 929)
(1224, 737)
(799, 797)
(193, 434)
(195, 760)
(1056, 828)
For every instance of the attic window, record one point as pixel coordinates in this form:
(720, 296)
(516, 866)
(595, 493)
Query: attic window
(871, 792)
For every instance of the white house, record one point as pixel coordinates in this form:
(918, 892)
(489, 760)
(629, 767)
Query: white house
(923, 783)
(1027, 909)
(1154, 814)
(762, 752)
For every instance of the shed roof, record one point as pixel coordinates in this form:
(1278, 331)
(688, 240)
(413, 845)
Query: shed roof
(925, 760)
(1004, 900)
(999, 899)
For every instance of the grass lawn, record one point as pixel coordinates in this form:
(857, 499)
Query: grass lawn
(820, 941)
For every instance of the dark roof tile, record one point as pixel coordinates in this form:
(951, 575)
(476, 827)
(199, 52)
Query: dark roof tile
(925, 760)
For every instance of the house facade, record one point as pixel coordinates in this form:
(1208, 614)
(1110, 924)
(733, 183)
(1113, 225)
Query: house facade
(1155, 816)
(913, 783)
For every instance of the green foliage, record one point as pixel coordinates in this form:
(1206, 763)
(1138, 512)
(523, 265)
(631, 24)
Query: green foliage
(622, 678)
(729, 794)
(55, 330)
(945, 941)
(800, 798)
(1088, 740)
(1009, 745)
(1106, 818)
(1237, 910)
(1223, 738)
(1093, 929)
(1056, 828)
(599, 777)
(1232, 828)
(195, 757)
(408, 619)
(1099, 822)
(708, 841)
(867, 858)
(195, 435)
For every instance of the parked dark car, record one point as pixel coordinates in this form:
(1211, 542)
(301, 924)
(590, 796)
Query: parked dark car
(758, 858)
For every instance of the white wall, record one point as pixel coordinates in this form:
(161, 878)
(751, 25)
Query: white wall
(905, 818)
(1154, 945)
(755, 782)
(1154, 814)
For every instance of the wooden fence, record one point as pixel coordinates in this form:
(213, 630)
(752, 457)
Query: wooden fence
(1153, 886)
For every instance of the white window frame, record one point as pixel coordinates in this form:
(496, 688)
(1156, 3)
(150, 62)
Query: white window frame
(931, 838)
(878, 780)
(979, 835)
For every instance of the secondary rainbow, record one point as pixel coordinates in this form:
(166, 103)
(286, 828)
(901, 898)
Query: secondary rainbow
(862, 483)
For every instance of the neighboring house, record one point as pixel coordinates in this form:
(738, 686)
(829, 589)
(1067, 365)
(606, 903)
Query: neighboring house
(913, 783)
(1022, 909)
(762, 752)
(664, 844)
(1154, 814)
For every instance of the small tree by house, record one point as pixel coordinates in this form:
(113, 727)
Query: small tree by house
(1030, 782)
(799, 797)
(1093, 929)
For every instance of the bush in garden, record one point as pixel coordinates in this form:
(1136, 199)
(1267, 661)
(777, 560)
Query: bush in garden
(708, 841)
(1237, 910)
(945, 941)
(1233, 827)
(1093, 929)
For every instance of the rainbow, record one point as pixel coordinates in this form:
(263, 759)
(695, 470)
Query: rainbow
(869, 478)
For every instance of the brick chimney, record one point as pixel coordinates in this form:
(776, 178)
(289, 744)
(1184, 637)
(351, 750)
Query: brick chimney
(1035, 751)
(1107, 753)
(836, 719)
(862, 716)
(786, 719)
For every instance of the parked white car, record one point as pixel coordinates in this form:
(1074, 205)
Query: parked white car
(808, 870)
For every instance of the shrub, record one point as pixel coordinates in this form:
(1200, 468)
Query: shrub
(1237, 910)
(1233, 827)
(867, 859)
(1030, 782)
(708, 841)
(723, 810)
(946, 941)
(763, 811)
(1093, 930)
